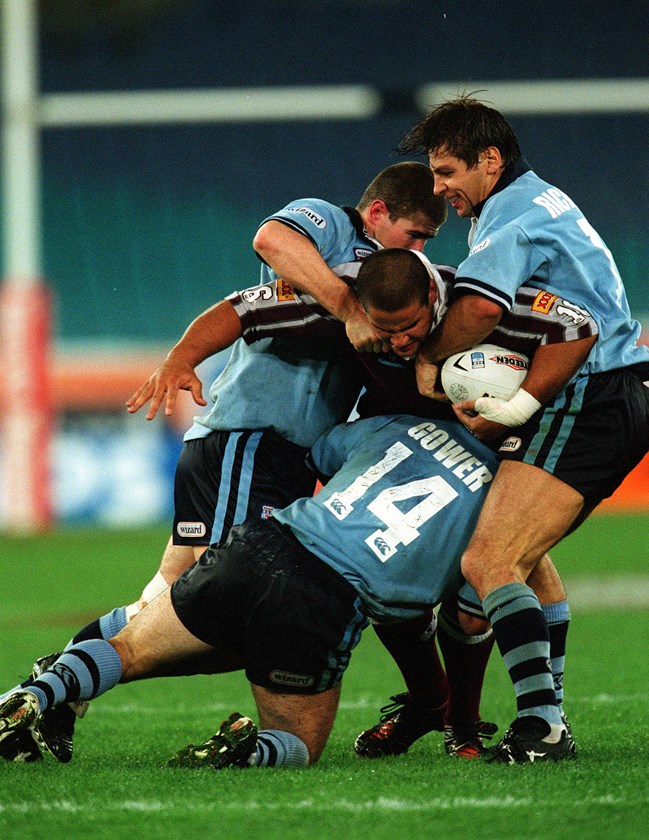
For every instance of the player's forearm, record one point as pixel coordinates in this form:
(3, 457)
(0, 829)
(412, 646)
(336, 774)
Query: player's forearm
(467, 322)
(212, 331)
(554, 365)
(294, 258)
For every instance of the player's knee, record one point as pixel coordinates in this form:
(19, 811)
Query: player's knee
(156, 586)
(472, 569)
(123, 651)
(471, 625)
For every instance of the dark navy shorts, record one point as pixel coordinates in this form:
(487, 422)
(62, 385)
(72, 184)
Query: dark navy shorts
(227, 478)
(593, 435)
(290, 618)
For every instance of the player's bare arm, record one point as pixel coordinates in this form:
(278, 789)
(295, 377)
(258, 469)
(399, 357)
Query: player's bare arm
(468, 321)
(552, 367)
(299, 263)
(214, 330)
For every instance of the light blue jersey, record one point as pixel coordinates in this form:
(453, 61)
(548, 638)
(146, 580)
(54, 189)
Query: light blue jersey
(529, 232)
(307, 384)
(399, 511)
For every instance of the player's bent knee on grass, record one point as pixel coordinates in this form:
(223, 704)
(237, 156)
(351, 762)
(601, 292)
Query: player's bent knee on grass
(308, 716)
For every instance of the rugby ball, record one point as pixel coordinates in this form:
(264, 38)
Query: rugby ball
(484, 371)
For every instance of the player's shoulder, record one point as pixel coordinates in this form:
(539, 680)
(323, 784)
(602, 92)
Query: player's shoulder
(315, 213)
(536, 202)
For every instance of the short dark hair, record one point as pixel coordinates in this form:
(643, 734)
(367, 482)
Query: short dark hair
(464, 127)
(391, 279)
(407, 188)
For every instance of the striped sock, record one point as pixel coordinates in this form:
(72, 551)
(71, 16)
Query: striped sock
(558, 618)
(277, 748)
(522, 635)
(105, 627)
(80, 673)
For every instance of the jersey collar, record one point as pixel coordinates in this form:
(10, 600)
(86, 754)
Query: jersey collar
(357, 220)
(511, 172)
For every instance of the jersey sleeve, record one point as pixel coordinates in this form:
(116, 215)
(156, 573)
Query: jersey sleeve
(499, 262)
(275, 308)
(324, 224)
(537, 318)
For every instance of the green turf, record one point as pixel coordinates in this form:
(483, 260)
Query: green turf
(116, 786)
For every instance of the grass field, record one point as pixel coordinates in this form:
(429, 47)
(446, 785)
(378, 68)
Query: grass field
(116, 786)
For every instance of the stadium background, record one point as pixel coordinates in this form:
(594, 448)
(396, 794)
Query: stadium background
(145, 226)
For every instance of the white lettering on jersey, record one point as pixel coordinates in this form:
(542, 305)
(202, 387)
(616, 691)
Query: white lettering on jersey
(257, 293)
(433, 492)
(481, 246)
(403, 527)
(313, 217)
(554, 201)
(342, 504)
(452, 455)
(598, 242)
(571, 311)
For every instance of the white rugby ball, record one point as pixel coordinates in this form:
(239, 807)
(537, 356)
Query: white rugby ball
(484, 371)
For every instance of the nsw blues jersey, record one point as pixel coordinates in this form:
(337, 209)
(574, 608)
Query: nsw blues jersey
(298, 387)
(398, 512)
(336, 232)
(529, 232)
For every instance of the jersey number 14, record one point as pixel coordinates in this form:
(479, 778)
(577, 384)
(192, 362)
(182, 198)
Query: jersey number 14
(402, 528)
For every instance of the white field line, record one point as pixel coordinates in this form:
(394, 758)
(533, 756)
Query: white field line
(594, 593)
(361, 704)
(381, 803)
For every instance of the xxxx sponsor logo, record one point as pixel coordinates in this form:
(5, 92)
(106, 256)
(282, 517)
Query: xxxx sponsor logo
(284, 290)
(543, 302)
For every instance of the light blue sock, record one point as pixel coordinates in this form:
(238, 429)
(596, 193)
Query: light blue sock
(277, 748)
(82, 672)
(113, 622)
(558, 617)
(105, 627)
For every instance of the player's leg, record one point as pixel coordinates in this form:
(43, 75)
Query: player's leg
(513, 532)
(155, 643)
(420, 709)
(293, 728)
(211, 473)
(299, 622)
(551, 479)
(546, 583)
(466, 640)
(193, 507)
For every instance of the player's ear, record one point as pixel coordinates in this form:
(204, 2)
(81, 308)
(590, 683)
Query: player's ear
(494, 159)
(377, 209)
(432, 293)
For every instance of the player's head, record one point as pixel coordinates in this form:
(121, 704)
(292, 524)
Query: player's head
(399, 207)
(468, 144)
(397, 290)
